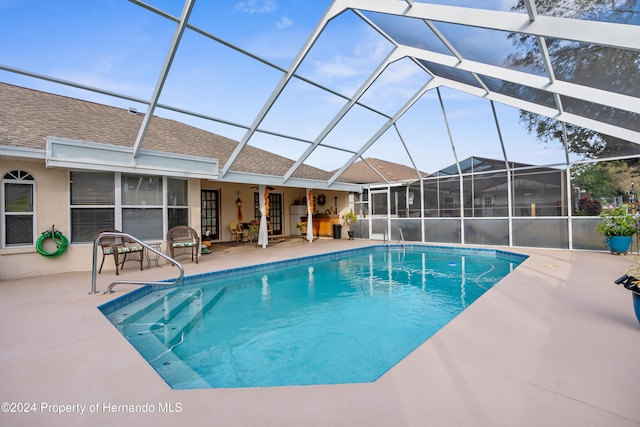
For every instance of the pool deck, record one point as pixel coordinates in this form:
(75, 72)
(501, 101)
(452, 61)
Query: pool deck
(555, 343)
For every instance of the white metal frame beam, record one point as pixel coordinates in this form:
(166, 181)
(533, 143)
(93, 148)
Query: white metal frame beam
(597, 126)
(599, 96)
(343, 111)
(333, 11)
(601, 33)
(430, 85)
(173, 47)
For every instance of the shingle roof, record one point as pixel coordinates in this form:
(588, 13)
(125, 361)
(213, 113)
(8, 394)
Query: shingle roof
(28, 116)
(361, 173)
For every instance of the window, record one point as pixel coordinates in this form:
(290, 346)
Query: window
(18, 209)
(142, 206)
(92, 204)
(136, 204)
(178, 204)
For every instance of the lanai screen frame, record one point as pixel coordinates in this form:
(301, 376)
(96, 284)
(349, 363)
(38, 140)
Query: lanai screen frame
(609, 34)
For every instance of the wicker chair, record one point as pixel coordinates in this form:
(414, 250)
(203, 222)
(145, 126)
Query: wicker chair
(121, 248)
(238, 232)
(182, 240)
(269, 231)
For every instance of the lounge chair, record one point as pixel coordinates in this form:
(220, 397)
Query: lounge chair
(182, 240)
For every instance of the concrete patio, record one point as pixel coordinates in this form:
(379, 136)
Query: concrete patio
(553, 344)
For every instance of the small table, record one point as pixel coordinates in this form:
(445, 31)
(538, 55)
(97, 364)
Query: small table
(156, 257)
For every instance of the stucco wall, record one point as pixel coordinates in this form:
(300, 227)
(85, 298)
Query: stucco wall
(229, 211)
(51, 204)
(52, 199)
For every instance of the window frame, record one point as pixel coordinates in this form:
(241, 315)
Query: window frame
(19, 180)
(119, 206)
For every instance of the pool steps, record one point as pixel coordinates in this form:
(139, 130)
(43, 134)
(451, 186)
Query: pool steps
(183, 310)
(154, 334)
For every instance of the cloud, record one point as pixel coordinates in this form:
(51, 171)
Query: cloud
(256, 6)
(284, 22)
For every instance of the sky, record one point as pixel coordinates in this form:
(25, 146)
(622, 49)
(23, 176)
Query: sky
(120, 46)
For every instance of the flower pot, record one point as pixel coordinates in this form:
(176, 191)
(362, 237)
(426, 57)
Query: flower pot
(619, 244)
(351, 233)
(632, 284)
(636, 305)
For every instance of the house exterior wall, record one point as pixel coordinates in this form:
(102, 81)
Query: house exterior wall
(52, 208)
(290, 196)
(51, 201)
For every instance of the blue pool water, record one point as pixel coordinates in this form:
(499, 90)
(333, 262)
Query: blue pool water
(339, 318)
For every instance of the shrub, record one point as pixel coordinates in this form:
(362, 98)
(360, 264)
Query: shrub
(588, 206)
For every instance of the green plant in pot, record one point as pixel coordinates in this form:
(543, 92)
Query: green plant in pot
(254, 230)
(618, 227)
(350, 218)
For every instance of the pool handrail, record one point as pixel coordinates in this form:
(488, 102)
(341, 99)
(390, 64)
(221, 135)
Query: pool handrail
(401, 237)
(109, 290)
(387, 238)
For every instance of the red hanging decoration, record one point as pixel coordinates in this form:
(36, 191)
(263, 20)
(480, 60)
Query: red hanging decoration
(239, 205)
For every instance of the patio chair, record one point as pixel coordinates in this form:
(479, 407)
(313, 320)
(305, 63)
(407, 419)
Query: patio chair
(121, 248)
(238, 232)
(269, 231)
(182, 240)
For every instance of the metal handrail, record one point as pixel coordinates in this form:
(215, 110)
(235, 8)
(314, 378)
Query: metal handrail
(401, 237)
(387, 239)
(109, 290)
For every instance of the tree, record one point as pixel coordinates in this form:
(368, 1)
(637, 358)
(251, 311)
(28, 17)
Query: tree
(607, 68)
(611, 69)
(601, 179)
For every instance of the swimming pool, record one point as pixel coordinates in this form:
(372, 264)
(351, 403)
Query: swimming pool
(343, 317)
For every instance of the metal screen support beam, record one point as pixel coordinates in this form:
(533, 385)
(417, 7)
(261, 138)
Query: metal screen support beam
(509, 175)
(343, 111)
(406, 149)
(333, 11)
(455, 157)
(177, 35)
(429, 85)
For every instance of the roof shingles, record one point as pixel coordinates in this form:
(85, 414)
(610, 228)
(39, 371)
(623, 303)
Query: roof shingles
(28, 116)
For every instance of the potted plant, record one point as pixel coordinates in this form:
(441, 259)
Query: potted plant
(618, 227)
(350, 218)
(254, 229)
(302, 226)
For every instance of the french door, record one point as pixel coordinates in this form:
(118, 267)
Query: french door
(275, 211)
(210, 209)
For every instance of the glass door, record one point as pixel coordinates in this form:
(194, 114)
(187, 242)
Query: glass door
(275, 211)
(210, 219)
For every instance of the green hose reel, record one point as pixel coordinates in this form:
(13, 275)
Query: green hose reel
(57, 237)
